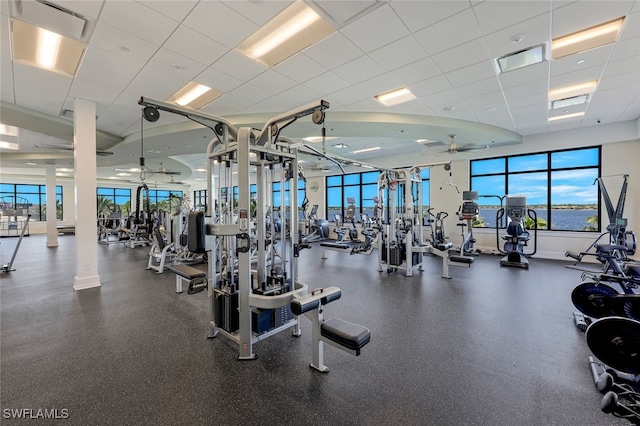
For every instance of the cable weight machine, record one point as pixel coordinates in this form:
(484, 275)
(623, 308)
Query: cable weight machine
(248, 303)
(400, 245)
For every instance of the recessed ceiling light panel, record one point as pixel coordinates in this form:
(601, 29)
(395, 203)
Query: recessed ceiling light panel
(395, 97)
(597, 36)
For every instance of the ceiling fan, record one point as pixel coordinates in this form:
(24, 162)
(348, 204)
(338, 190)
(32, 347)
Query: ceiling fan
(69, 147)
(453, 147)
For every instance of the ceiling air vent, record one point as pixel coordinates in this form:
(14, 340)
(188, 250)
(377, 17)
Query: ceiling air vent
(53, 18)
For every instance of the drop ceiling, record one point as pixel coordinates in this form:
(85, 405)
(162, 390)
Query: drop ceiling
(443, 51)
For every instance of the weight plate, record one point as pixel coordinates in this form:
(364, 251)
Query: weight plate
(616, 342)
(151, 114)
(585, 299)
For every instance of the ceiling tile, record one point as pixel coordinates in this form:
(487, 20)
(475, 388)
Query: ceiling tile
(399, 53)
(300, 68)
(631, 27)
(195, 46)
(453, 31)
(109, 64)
(301, 95)
(175, 10)
(220, 23)
(622, 67)
(122, 44)
(524, 75)
(99, 93)
(466, 75)
(579, 76)
(327, 83)
(477, 88)
(238, 65)
(273, 82)
(442, 98)
(631, 79)
(333, 51)
(414, 107)
(164, 84)
(138, 20)
(176, 64)
(259, 12)
(486, 99)
(218, 80)
(225, 106)
(616, 96)
(526, 89)
(530, 33)
(632, 111)
(388, 28)
(537, 99)
(491, 14)
(348, 95)
(569, 64)
(429, 86)
(461, 56)
(420, 14)
(250, 93)
(359, 70)
(626, 49)
(414, 72)
(368, 104)
(40, 90)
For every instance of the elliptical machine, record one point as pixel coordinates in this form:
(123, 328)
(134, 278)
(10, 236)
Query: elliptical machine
(467, 213)
(517, 237)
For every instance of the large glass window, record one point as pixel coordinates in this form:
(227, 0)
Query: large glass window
(200, 200)
(114, 200)
(558, 186)
(32, 198)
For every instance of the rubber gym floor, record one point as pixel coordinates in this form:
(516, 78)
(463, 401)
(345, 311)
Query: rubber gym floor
(492, 346)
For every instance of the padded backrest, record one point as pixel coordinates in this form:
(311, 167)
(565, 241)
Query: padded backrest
(195, 230)
(158, 237)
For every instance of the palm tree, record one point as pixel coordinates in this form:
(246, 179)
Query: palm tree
(592, 223)
(105, 205)
(58, 210)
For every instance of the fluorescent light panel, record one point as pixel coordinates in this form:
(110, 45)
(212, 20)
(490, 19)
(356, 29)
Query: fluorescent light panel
(194, 95)
(9, 145)
(520, 59)
(294, 29)
(395, 97)
(583, 88)
(565, 116)
(597, 36)
(41, 48)
(7, 130)
(375, 148)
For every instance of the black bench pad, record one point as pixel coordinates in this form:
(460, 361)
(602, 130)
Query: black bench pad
(345, 333)
(461, 259)
(187, 271)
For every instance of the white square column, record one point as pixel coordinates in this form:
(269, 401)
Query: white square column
(84, 157)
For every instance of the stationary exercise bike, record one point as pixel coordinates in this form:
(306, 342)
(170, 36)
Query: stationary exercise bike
(467, 213)
(517, 237)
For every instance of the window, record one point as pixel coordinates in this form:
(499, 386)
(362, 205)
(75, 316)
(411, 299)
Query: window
(200, 200)
(35, 198)
(558, 186)
(362, 187)
(114, 200)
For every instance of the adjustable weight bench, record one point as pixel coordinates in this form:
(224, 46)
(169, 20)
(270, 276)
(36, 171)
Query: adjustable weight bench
(196, 278)
(336, 332)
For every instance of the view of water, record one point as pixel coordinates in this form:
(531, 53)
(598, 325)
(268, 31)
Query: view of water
(561, 219)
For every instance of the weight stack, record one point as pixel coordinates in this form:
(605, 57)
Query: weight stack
(226, 310)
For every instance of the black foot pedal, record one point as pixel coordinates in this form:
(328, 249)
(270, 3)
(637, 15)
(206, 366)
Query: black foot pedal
(582, 322)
